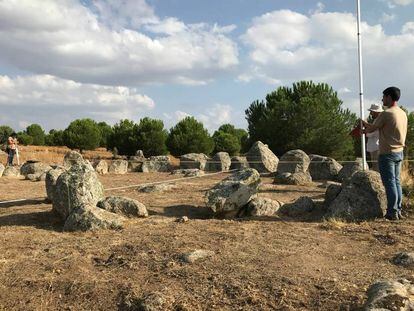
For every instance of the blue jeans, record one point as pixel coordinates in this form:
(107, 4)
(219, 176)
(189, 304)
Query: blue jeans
(390, 168)
(10, 158)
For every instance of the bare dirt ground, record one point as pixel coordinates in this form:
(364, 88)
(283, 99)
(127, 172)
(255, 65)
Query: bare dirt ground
(259, 264)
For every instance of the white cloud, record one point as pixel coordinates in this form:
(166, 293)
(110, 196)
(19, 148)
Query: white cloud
(53, 100)
(68, 40)
(211, 118)
(289, 46)
(385, 18)
(403, 2)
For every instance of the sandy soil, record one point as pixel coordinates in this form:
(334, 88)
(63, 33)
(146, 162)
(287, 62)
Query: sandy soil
(259, 264)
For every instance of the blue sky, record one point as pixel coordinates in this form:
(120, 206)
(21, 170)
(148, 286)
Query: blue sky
(113, 59)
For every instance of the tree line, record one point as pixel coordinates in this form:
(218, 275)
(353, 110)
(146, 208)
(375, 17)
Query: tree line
(306, 116)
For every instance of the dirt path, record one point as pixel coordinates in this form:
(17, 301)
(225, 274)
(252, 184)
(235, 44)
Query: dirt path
(259, 264)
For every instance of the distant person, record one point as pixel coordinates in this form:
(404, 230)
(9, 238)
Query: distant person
(373, 138)
(11, 148)
(392, 125)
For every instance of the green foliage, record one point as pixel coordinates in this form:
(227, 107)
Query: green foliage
(409, 149)
(189, 136)
(82, 134)
(38, 134)
(307, 116)
(226, 142)
(150, 137)
(55, 138)
(5, 132)
(106, 132)
(241, 134)
(24, 139)
(122, 137)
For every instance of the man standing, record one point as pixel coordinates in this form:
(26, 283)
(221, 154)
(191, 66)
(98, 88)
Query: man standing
(392, 125)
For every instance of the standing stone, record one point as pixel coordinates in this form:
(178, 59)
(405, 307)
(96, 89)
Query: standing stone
(1, 169)
(261, 158)
(219, 163)
(75, 188)
(362, 198)
(157, 164)
(390, 295)
(332, 191)
(101, 167)
(233, 193)
(50, 181)
(324, 168)
(71, 158)
(123, 206)
(238, 163)
(350, 168)
(193, 160)
(293, 161)
(134, 165)
(89, 217)
(140, 154)
(118, 167)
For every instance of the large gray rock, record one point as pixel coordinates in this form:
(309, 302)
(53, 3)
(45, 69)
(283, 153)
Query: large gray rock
(50, 181)
(293, 161)
(157, 164)
(332, 191)
(238, 163)
(362, 198)
(75, 188)
(298, 179)
(1, 169)
(261, 207)
(11, 171)
(71, 158)
(89, 217)
(301, 207)
(324, 168)
(233, 193)
(349, 168)
(219, 163)
(261, 158)
(101, 167)
(123, 206)
(118, 167)
(390, 295)
(34, 168)
(193, 160)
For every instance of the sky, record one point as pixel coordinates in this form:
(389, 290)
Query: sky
(127, 59)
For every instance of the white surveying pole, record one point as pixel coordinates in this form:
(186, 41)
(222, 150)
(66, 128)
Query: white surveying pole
(361, 86)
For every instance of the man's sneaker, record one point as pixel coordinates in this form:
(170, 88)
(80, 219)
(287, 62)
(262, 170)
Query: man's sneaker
(400, 215)
(392, 217)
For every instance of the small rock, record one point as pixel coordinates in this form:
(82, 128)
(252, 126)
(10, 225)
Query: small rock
(123, 206)
(101, 167)
(262, 207)
(404, 259)
(197, 255)
(183, 219)
(11, 171)
(155, 188)
(118, 167)
(191, 172)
